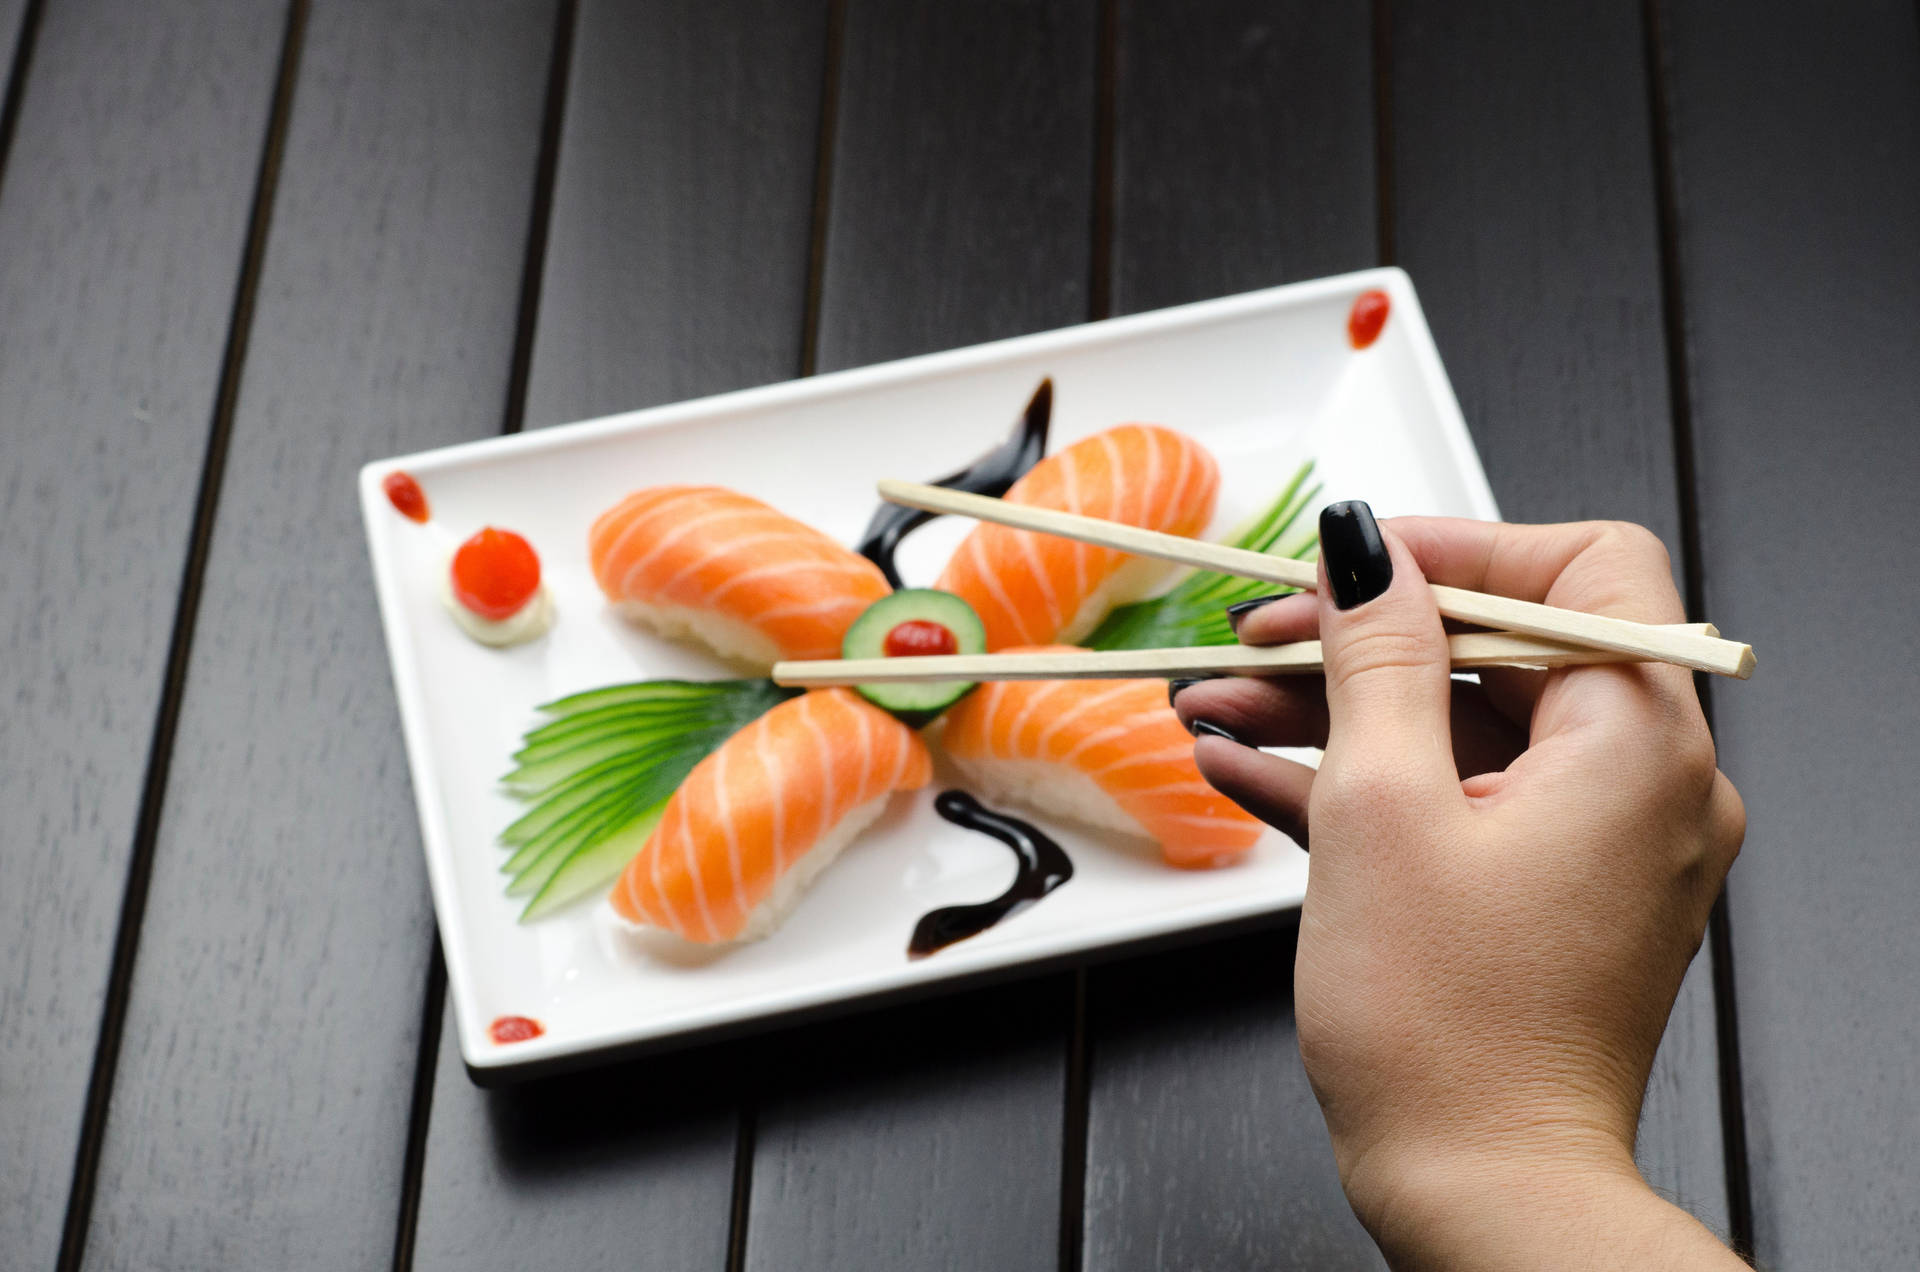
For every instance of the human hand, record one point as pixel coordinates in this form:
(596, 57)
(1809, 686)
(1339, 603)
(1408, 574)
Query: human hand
(1507, 884)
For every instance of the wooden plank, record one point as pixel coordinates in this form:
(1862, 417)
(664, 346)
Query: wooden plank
(962, 188)
(1205, 1147)
(1796, 146)
(960, 210)
(1245, 147)
(615, 1168)
(1243, 158)
(259, 1117)
(123, 210)
(676, 264)
(917, 1137)
(677, 260)
(1527, 214)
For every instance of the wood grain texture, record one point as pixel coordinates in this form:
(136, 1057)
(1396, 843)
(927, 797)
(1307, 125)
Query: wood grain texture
(1245, 147)
(916, 1137)
(1796, 144)
(1244, 157)
(1205, 1147)
(676, 264)
(123, 211)
(961, 206)
(616, 1168)
(1527, 215)
(677, 260)
(259, 1118)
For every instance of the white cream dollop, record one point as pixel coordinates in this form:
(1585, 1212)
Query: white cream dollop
(529, 622)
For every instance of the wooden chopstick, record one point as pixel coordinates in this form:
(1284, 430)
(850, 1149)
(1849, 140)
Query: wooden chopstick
(1641, 641)
(1472, 649)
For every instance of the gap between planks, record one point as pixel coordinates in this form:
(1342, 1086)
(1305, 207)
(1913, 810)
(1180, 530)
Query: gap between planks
(24, 40)
(532, 273)
(1077, 1090)
(93, 1124)
(1733, 1118)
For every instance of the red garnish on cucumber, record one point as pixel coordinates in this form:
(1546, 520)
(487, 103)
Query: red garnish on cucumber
(495, 574)
(915, 622)
(918, 638)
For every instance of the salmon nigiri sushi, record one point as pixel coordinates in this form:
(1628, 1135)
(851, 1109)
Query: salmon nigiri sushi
(1038, 589)
(723, 568)
(758, 819)
(1106, 753)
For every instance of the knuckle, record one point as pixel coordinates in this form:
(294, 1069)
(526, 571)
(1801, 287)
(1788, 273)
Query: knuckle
(1637, 543)
(1374, 654)
(1694, 760)
(1727, 821)
(1624, 569)
(1369, 785)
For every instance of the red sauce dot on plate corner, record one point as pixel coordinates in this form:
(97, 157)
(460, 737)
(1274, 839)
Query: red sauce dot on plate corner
(514, 1029)
(918, 637)
(1368, 316)
(404, 493)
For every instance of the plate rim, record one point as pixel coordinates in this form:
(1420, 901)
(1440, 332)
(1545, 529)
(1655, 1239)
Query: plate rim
(1005, 958)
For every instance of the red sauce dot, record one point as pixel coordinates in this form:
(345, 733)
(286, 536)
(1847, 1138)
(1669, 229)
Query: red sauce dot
(918, 637)
(514, 1029)
(404, 493)
(495, 573)
(1368, 317)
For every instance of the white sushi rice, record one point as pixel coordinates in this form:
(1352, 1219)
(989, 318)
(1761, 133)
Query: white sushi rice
(791, 886)
(1050, 788)
(737, 642)
(1134, 581)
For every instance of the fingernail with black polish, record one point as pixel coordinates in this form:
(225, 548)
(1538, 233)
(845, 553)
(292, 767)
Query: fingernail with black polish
(1358, 567)
(1240, 609)
(1207, 729)
(1175, 686)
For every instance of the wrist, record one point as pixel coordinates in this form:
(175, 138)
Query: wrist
(1583, 1207)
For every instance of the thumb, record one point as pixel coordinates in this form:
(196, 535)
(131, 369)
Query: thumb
(1388, 677)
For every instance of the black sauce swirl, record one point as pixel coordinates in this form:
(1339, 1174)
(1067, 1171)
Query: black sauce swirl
(991, 474)
(1044, 866)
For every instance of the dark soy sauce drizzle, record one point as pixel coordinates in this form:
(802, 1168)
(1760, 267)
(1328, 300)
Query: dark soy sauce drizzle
(1044, 866)
(991, 474)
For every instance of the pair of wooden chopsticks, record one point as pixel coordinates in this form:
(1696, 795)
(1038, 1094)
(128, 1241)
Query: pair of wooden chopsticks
(1533, 635)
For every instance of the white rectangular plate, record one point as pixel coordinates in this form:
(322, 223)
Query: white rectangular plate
(1265, 380)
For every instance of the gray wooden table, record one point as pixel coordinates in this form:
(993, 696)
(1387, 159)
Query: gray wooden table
(1671, 253)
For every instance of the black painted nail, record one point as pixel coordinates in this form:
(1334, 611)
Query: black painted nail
(1175, 686)
(1240, 609)
(1358, 567)
(1207, 729)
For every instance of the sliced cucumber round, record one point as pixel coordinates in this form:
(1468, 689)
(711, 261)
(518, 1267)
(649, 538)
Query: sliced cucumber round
(915, 620)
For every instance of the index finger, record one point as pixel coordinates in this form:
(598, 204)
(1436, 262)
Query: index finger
(1599, 567)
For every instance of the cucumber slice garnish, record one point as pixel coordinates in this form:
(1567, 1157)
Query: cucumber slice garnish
(924, 612)
(593, 866)
(599, 771)
(611, 808)
(639, 691)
